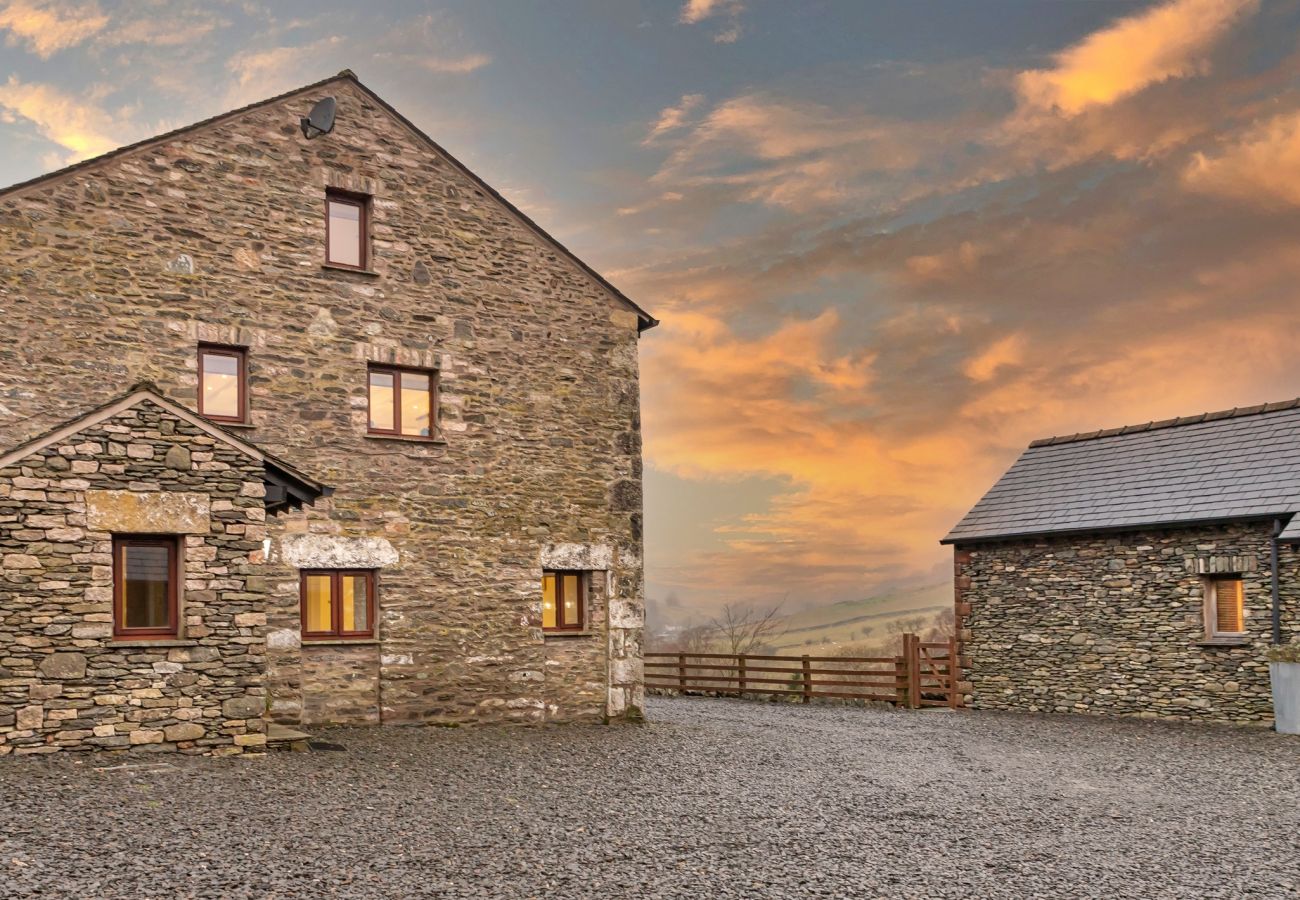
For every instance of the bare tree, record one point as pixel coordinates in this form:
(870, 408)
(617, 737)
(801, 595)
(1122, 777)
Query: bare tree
(744, 629)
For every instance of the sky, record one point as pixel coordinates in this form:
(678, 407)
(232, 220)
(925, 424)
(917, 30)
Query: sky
(890, 242)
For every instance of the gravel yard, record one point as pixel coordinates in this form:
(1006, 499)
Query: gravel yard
(716, 798)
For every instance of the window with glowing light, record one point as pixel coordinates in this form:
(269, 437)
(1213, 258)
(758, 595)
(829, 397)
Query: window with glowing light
(563, 601)
(338, 605)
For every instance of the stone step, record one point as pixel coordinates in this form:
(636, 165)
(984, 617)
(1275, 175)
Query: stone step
(282, 737)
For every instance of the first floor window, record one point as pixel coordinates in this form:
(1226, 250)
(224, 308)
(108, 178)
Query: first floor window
(145, 586)
(563, 601)
(402, 401)
(338, 604)
(223, 378)
(1225, 614)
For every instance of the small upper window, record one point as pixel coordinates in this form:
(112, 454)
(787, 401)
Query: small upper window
(563, 601)
(338, 604)
(223, 380)
(1225, 614)
(346, 228)
(402, 401)
(145, 587)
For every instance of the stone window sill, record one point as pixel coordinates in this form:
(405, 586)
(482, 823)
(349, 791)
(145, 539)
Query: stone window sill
(369, 273)
(407, 438)
(1225, 642)
(235, 425)
(150, 645)
(343, 642)
(587, 632)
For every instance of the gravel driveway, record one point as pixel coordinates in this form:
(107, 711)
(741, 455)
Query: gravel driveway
(716, 798)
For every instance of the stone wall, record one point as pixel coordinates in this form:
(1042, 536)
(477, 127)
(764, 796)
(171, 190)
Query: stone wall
(1114, 624)
(115, 273)
(65, 682)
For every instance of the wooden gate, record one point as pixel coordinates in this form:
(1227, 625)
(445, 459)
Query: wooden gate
(927, 673)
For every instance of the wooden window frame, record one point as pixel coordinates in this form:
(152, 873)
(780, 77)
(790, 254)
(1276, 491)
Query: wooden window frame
(1212, 631)
(336, 632)
(173, 545)
(240, 354)
(396, 431)
(362, 203)
(561, 626)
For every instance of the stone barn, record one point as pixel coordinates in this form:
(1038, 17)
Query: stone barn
(1136, 571)
(307, 425)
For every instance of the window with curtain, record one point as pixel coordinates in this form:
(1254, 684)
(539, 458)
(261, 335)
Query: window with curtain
(346, 230)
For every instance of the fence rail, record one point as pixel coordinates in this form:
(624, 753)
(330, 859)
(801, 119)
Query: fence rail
(926, 673)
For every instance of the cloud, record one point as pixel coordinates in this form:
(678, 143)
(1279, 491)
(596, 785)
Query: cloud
(696, 11)
(460, 65)
(48, 26)
(1261, 166)
(433, 42)
(1171, 40)
(1007, 352)
(83, 127)
(672, 118)
(263, 73)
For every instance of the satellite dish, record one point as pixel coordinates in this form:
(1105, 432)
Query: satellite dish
(320, 120)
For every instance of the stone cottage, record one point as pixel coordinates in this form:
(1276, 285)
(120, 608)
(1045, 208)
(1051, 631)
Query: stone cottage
(307, 425)
(1136, 571)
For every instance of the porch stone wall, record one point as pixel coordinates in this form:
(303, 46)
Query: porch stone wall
(65, 682)
(1114, 624)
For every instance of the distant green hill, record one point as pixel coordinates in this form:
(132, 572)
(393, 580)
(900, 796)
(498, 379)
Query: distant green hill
(867, 620)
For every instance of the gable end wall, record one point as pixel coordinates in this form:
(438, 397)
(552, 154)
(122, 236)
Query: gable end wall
(115, 273)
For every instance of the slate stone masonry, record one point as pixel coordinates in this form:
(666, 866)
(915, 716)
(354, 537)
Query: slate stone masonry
(1113, 624)
(114, 274)
(65, 682)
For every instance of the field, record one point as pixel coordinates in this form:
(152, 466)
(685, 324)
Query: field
(861, 622)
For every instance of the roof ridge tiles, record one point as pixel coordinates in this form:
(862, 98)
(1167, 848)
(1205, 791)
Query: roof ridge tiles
(1234, 413)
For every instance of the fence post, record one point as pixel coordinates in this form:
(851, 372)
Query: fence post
(681, 672)
(954, 674)
(807, 680)
(912, 650)
(900, 678)
(741, 692)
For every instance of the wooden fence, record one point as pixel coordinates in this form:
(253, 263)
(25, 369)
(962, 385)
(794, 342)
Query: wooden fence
(925, 674)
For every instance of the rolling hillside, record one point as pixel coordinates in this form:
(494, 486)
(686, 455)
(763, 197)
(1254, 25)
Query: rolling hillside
(858, 621)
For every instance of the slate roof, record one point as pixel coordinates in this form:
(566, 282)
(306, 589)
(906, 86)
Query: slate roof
(1235, 464)
(287, 486)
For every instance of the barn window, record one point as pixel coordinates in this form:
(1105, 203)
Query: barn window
(1225, 614)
